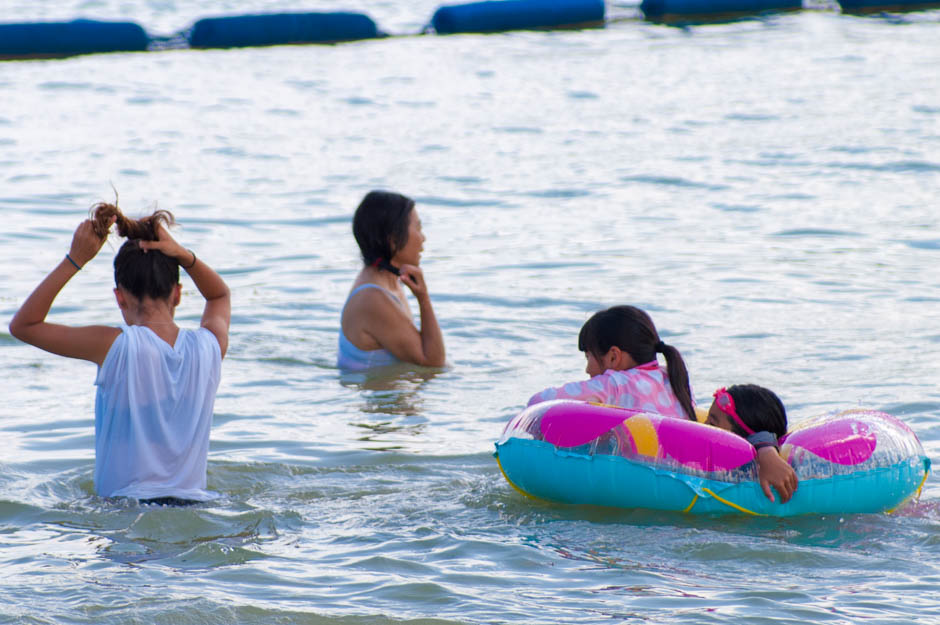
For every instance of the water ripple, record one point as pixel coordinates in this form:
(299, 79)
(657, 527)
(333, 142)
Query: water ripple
(672, 181)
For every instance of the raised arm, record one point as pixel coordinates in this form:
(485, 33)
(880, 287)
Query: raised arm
(217, 314)
(29, 323)
(391, 327)
(432, 341)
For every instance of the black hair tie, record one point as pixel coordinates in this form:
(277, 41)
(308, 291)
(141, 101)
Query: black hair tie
(660, 347)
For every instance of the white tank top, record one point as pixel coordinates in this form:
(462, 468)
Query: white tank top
(153, 412)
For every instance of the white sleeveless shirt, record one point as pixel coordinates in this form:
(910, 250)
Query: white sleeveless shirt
(153, 412)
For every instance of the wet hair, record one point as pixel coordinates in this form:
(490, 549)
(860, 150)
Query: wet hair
(380, 225)
(632, 330)
(152, 274)
(759, 408)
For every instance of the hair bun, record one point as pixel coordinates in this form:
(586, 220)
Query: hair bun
(144, 228)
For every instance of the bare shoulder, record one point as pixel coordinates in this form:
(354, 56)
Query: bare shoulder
(84, 342)
(374, 301)
(104, 334)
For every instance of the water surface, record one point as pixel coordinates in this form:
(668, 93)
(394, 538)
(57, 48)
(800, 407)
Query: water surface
(766, 190)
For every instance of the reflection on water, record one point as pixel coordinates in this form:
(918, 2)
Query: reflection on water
(392, 390)
(395, 390)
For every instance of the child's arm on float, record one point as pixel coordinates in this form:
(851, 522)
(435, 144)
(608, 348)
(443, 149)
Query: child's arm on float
(217, 314)
(774, 471)
(29, 323)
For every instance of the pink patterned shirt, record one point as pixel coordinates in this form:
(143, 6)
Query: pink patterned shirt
(645, 387)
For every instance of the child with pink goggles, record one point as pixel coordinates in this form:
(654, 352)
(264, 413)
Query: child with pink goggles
(757, 414)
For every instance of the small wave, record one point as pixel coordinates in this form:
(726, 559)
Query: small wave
(674, 181)
(461, 179)
(736, 208)
(282, 112)
(583, 95)
(358, 101)
(435, 200)
(895, 167)
(417, 104)
(518, 130)
(927, 244)
(58, 85)
(920, 510)
(559, 193)
(815, 232)
(752, 117)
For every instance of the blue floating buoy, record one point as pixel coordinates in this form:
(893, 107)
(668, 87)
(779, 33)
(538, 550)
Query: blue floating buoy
(887, 6)
(56, 39)
(502, 15)
(710, 10)
(281, 28)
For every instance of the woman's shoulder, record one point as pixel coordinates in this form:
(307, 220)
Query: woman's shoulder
(371, 297)
(369, 287)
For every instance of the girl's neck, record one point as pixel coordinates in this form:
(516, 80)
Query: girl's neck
(159, 319)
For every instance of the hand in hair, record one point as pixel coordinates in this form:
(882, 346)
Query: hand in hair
(145, 228)
(87, 242)
(217, 314)
(774, 471)
(413, 278)
(168, 245)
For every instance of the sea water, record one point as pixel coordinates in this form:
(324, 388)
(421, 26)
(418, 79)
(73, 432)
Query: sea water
(766, 189)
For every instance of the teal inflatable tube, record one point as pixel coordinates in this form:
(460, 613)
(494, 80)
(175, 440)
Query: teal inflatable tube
(540, 470)
(503, 15)
(58, 39)
(847, 462)
(690, 10)
(281, 28)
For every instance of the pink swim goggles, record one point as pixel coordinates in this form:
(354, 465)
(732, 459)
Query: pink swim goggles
(726, 402)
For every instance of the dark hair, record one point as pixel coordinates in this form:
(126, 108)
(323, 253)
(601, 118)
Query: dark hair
(632, 330)
(380, 225)
(759, 408)
(152, 274)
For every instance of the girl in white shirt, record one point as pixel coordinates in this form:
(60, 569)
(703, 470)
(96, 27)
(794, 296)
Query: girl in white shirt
(156, 382)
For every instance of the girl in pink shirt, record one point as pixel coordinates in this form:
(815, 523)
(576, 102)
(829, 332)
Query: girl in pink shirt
(621, 344)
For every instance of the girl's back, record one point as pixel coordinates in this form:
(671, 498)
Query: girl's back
(153, 413)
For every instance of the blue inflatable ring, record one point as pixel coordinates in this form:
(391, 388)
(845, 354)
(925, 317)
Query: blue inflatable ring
(854, 461)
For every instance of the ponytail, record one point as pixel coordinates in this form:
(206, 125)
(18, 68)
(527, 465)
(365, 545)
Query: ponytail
(144, 228)
(633, 331)
(679, 378)
(152, 274)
